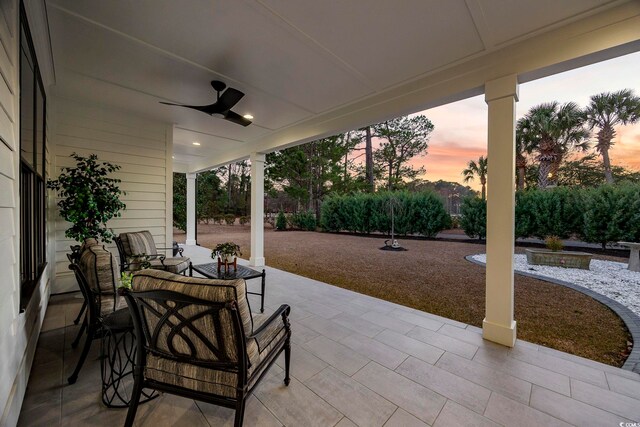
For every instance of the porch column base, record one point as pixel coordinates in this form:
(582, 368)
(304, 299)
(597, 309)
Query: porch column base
(256, 262)
(190, 242)
(501, 334)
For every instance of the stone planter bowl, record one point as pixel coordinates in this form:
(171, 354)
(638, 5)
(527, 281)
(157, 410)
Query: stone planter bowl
(567, 259)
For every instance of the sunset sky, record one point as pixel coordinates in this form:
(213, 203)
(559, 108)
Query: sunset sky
(461, 128)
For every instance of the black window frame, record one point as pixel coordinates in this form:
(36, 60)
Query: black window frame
(33, 194)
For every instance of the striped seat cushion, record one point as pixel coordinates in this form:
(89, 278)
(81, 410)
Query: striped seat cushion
(138, 243)
(174, 265)
(101, 270)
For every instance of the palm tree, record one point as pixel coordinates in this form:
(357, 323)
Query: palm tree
(477, 169)
(555, 130)
(524, 146)
(607, 110)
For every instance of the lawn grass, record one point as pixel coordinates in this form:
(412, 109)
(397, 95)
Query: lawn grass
(433, 276)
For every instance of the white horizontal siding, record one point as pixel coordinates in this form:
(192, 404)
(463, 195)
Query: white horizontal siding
(142, 149)
(18, 331)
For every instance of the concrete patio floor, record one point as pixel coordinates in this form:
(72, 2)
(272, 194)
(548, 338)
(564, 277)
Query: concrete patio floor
(356, 360)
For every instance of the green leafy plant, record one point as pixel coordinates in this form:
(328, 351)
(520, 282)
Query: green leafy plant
(281, 221)
(230, 219)
(218, 219)
(125, 280)
(304, 221)
(553, 243)
(226, 250)
(90, 198)
(244, 220)
(473, 218)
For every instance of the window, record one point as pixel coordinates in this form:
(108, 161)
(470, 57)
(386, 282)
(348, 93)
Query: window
(32, 166)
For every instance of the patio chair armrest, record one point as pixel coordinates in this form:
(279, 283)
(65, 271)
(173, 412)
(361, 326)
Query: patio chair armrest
(283, 311)
(180, 250)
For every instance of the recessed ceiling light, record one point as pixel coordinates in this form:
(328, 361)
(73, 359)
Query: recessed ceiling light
(248, 116)
(196, 143)
(173, 157)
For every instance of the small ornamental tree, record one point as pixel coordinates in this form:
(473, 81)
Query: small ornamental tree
(89, 198)
(473, 218)
(281, 221)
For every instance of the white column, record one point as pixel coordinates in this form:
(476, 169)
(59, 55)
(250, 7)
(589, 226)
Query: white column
(257, 210)
(191, 209)
(501, 96)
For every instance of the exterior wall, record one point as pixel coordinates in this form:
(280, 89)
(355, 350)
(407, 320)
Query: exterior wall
(18, 331)
(143, 150)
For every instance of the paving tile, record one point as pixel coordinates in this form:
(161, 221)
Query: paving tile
(417, 320)
(357, 324)
(318, 309)
(349, 308)
(304, 365)
(562, 366)
(385, 355)
(373, 304)
(388, 322)
(570, 410)
(415, 348)
(346, 422)
(456, 388)
(454, 415)
(624, 386)
(465, 335)
(402, 418)
(604, 399)
(169, 409)
(438, 318)
(501, 362)
(357, 402)
(296, 405)
(414, 398)
(326, 327)
(336, 355)
(435, 339)
(255, 414)
(511, 413)
(300, 334)
(509, 386)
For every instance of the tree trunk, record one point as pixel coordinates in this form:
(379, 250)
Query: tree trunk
(369, 159)
(484, 190)
(229, 189)
(521, 173)
(607, 165)
(543, 174)
(390, 184)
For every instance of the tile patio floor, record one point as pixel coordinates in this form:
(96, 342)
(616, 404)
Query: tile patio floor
(356, 360)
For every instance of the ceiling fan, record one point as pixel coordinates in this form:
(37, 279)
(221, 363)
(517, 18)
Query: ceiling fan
(223, 105)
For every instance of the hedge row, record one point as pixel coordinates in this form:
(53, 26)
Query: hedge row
(414, 213)
(605, 214)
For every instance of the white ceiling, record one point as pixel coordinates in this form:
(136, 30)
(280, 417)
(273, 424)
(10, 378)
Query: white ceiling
(296, 60)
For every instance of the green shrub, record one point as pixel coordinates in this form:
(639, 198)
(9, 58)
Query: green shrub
(218, 219)
(244, 220)
(552, 212)
(281, 221)
(230, 219)
(553, 243)
(473, 219)
(421, 213)
(304, 221)
(612, 213)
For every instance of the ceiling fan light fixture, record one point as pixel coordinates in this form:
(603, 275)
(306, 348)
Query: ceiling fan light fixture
(248, 116)
(196, 143)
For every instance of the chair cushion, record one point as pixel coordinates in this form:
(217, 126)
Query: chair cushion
(212, 381)
(175, 265)
(138, 243)
(102, 272)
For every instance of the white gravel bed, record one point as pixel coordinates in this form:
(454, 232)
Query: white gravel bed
(608, 278)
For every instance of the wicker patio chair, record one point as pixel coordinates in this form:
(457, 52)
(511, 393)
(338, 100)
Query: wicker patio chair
(133, 245)
(196, 339)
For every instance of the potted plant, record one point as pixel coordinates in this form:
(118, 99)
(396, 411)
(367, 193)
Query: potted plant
(553, 255)
(226, 254)
(90, 198)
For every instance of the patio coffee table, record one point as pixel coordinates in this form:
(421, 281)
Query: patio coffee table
(210, 271)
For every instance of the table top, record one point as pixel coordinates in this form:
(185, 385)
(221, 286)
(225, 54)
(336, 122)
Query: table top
(210, 270)
(634, 245)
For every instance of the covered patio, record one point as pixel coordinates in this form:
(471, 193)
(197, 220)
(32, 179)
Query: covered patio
(360, 361)
(309, 70)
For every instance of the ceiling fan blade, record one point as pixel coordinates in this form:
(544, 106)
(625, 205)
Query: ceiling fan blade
(203, 108)
(228, 99)
(236, 118)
